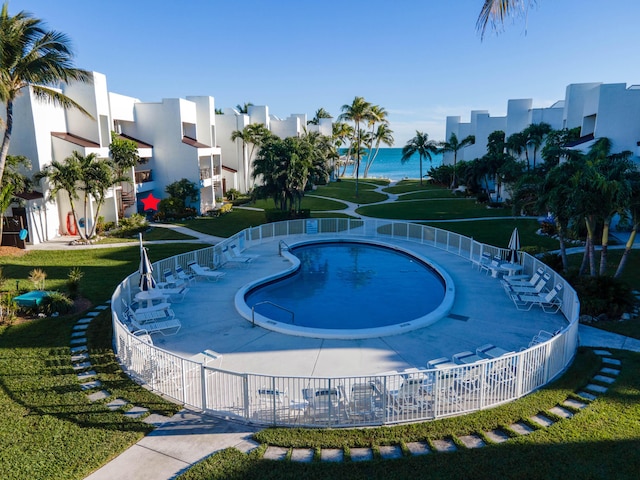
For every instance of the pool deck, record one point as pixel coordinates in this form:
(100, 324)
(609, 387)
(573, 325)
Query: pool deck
(482, 313)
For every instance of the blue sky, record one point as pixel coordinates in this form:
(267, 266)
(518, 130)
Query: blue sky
(420, 59)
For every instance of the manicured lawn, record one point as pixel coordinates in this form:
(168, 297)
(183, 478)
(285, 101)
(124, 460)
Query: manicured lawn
(498, 232)
(599, 442)
(346, 190)
(103, 268)
(154, 233)
(405, 186)
(427, 194)
(308, 202)
(228, 224)
(433, 210)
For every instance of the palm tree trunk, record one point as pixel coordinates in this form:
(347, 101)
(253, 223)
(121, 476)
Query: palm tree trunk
(590, 221)
(453, 177)
(605, 246)
(627, 250)
(563, 248)
(420, 170)
(585, 257)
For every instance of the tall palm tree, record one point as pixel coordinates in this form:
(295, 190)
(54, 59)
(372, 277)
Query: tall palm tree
(535, 135)
(358, 112)
(632, 212)
(32, 56)
(340, 133)
(252, 135)
(517, 145)
(421, 145)
(454, 145)
(383, 134)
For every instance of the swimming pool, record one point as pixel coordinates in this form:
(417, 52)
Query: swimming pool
(349, 289)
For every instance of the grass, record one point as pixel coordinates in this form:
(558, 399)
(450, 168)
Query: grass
(308, 202)
(103, 268)
(426, 195)
(153, 234)
(599, 442)
(228, 224)
(48, 427)
(405, 186)
(498, 232)
(346, 190)
(433, 210)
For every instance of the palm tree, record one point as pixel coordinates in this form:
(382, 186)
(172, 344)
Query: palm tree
(358, 111)
(535, 135)
(253, 135)
(320, 113)
(383, 134)
(495, 12)
(454, 145)
(244, 109)
(421, 145)
(517, 144)
(633, 212)
(31, 56)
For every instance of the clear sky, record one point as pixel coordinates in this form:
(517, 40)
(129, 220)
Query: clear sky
(420, 59)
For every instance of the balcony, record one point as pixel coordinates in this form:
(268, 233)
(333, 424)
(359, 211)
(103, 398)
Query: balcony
(144, 181)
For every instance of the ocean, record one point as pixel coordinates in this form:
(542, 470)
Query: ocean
(388, 165)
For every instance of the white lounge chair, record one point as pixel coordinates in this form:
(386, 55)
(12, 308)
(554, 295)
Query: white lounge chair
(483, 262)
(539, 287)
(204, 272)
(161, 321)
(229, 258)
(170, 281)
(235, 251)
(525, 280)
(549, 302)
(187, 277)
(466, 357)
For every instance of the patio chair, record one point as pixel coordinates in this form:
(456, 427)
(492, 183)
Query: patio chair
(549, 302)
(204, 272)
(413, 394)
(171, 281)
(494, 267)
(483, 262)
(465, 357)
(187, 277)
(229, 258)
(362, 401)
(441, 362)
(525, 280)
(537, 288)
(235, 251)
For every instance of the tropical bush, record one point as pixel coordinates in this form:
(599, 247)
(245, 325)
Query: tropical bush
(130, 226)
(73, 281)
(603, 295)
(233, 194)
(56, 303)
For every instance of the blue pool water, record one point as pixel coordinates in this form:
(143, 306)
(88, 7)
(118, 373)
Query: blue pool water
(348, 285)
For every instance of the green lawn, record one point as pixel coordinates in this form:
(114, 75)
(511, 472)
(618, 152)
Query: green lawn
(433, 210)
(405, 186)
(154, 233)
(308, 202)
(498, 232)
(228, 224)
(346, 190)
(427, 194)
(599, 442)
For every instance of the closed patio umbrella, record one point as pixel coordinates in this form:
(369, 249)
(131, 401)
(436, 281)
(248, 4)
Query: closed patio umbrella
(147, 282)
(514, 246)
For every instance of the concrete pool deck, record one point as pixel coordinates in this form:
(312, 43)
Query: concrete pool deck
(481, 313)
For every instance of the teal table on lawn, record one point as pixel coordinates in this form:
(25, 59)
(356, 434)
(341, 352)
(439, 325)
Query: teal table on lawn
(31, 299)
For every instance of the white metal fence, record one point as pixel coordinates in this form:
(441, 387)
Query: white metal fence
(352, 400)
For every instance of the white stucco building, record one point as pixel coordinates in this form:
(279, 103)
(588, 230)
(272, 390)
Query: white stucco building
(176, 138)
(599, 110)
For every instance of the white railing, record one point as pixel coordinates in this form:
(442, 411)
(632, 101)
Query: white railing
(342, 401)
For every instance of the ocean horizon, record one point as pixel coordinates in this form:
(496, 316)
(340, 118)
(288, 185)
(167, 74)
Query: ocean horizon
(388, 165)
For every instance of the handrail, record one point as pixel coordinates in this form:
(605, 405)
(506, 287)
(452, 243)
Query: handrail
(253, 311)
(281, 244)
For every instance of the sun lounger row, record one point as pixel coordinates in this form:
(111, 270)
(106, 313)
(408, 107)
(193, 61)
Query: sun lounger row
(527, 293)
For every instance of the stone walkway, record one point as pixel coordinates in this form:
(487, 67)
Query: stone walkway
(598, 385)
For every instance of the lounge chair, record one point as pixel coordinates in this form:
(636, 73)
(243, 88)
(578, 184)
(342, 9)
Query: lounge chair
(442, 362)
(491, 351)
(413, 394)
(362, 401)
(176, 294)
(172, 282)
(161, 321)
(549, 302)
(483, 262)
(229, 258)
(539, 287)
(466, 357)
(235, 251)
(495, 268)
(204, 272)
(542, 336)
(187, 277)
(525, 280)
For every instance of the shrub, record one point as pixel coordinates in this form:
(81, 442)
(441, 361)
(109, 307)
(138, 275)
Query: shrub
(482, 197)
(8, 309)
(603, 295)
(37, 276)
(56, 302)
(130, 226)
(73, 281)
(218, 212)
(232, 194)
